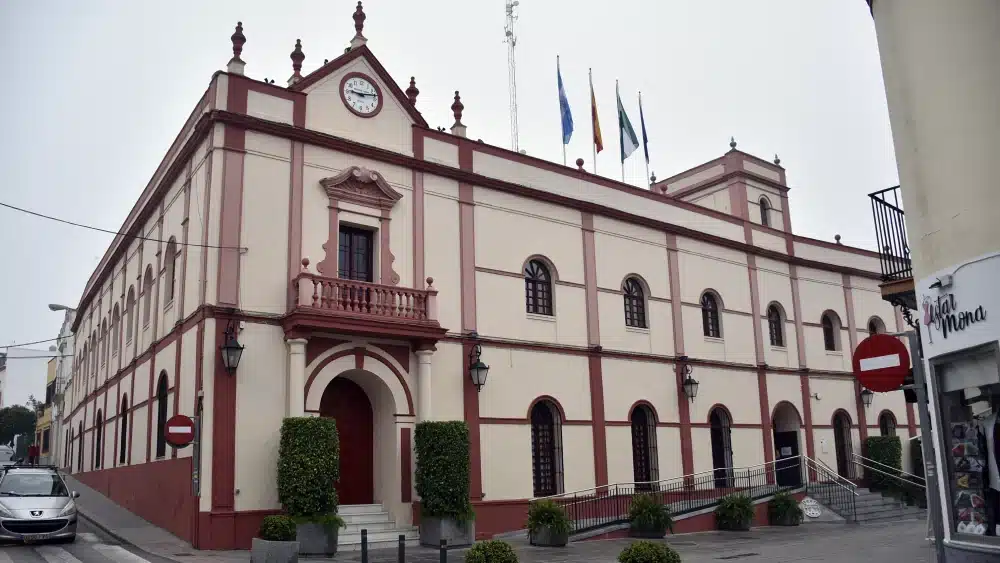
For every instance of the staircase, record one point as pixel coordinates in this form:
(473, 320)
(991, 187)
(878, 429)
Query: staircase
(382, 529)
(873, 507)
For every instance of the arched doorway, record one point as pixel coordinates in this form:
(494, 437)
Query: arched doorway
(722, 447)
(786, 424)
(644, 457)
(347, 403)
(842, 443)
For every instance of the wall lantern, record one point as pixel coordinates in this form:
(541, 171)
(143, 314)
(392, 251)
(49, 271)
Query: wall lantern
(690, 384)
(866, 397)
(231, 349)
(477, 369)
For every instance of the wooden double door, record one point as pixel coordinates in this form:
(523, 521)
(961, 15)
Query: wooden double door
(347, 403)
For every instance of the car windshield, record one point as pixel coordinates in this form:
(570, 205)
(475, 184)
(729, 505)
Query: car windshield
(32, 485)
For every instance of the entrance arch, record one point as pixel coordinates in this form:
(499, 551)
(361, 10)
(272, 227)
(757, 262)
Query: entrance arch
(842, 443)
(786, 424)
(347, 403)
(721, 432)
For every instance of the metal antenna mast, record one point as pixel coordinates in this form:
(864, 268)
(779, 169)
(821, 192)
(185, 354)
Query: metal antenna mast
(511, 41)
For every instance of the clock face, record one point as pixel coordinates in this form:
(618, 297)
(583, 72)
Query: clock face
(361, 96)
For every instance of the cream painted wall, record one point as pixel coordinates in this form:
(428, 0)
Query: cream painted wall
(518, 377)
(441, 152)
(621, 462)
(326, 112)
(578, 460)
(717, 198)
(835, 393)
(271, 108)
(783, 387)
(768, 240)
(442, 246)
(705, 266)
(847, 258)
(736, 344)
(506, 461)
(448, 369)
(621, 255)
(692, 179)
(629, 381)
(657, 338)
(502, 314)
(736, 390)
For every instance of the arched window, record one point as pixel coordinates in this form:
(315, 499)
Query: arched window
(95, 354)
(123, 430)
(831, 331)
(775, 325)
(722, 447)
(842, 443)
(645, 470)
(635, 303)
(710, 315)
(876, 326)
(104, 342)
(147, 295)
(537, 288)
(162, 386)
(169, 277)
(546, 449)
(129, 314)
(116, 331)
(765, 212)
(79, 448)
(98, 440)
(886, 424)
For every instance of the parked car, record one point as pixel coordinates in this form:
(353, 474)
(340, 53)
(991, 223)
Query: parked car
(36, 505)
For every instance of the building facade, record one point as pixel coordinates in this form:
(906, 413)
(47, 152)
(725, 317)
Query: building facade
(945, 124)
(63, 381)
(43, 425)
(363, 257)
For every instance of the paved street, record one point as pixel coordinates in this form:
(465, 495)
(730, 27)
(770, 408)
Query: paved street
(91, 546)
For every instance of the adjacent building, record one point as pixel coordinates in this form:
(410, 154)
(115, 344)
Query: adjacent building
(364, 260)
(43, 425)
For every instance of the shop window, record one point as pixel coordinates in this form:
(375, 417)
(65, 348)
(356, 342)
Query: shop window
(537, 288)
(546, 449)
(635, 303)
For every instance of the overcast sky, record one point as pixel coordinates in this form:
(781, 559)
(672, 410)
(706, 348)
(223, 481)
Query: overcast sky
(96, 91)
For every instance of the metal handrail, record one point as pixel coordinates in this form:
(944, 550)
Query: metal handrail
(654, 483)
(901, 472)
(896, 477)
(837, 479)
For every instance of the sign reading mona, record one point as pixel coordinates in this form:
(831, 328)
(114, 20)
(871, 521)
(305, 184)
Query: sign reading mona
(943, 315)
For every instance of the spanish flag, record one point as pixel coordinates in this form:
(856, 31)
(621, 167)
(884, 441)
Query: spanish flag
(598, 143)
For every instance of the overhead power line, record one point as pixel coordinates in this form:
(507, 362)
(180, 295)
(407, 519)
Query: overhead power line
(37, 342)
(9, 358)
(119, 233)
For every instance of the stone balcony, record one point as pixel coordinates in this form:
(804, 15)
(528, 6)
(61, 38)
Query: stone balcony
(324, 304)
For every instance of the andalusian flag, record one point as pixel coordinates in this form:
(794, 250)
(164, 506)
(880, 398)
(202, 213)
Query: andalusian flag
(626, 135)
(598, 142)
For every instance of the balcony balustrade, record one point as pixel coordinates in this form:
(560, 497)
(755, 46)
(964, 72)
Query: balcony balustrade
(894, 251)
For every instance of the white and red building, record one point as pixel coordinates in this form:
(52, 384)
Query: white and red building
(360, 256)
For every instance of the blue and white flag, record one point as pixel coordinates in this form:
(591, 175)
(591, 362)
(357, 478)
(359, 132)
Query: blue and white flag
(564, 113)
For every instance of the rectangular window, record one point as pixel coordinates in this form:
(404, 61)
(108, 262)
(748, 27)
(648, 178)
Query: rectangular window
(356, 254)
(969, 384)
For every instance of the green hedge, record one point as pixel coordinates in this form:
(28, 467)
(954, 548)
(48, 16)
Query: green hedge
(277, 528)
(491, 551)
(308, 467)
(886, 450)
(443, 469)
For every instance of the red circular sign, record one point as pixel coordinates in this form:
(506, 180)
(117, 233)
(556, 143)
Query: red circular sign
(881, 362)
(179, 431)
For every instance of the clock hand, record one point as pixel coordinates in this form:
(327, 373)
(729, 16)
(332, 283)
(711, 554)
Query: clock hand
(363, 93)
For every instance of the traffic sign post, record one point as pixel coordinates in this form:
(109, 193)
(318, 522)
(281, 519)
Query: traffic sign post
(881, 363)
(179, 431)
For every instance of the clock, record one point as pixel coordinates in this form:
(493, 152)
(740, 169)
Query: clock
(360, 94)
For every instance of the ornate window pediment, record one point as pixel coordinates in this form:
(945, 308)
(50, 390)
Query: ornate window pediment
(361, 186)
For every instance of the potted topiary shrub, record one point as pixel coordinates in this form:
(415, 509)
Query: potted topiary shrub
(443, 483)
(548, 525)
(784, 510)
(308, 469)
(275, 542)
(648, 518)
(648, 552)
(491, 551)
(735, 512)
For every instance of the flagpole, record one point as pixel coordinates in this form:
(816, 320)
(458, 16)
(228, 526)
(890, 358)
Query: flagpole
(593, 131)
(642, 118)
(621, 149)
(560, 114)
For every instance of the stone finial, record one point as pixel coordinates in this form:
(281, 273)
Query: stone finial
(305, 264)
(297, 57)
(359, 25)
(236, 64)
(430, 283)
(777, 161)
(836, 238)
(412, 92)
(732, 143)
(579, 164)
(652, 178)
(458, 128)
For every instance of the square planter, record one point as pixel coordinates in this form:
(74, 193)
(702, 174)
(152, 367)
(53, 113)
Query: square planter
(646, 533)
(733, 526)
(545, 537)
(264, 551)
(785, 520)
(456, 533)
(316, 539)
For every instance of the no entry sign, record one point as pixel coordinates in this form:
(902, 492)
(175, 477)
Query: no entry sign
(881, 363)
(179, 431)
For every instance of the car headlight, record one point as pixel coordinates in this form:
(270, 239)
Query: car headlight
(70, 508)
(4, 511)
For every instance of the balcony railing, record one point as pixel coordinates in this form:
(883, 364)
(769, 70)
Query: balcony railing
(358, 298)
(890, 234)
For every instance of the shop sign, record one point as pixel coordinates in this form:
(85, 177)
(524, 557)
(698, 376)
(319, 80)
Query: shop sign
(944, 315)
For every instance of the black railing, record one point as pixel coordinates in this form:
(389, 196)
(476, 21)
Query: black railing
(605, 506)
(907, 487)
(832, 490)
(890, 234)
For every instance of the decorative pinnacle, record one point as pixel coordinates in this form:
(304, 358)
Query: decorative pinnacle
(836, 238)
(239, 40)
(732, 143)
(297, 57)
(579, 164)
(412, 91)
(777, 161)
(652, 178)
(457, 108)
(359, 21)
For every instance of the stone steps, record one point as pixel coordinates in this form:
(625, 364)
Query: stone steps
(870, 506)
(382, 529)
